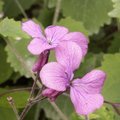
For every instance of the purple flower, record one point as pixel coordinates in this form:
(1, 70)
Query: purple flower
(51, 94)
(51, 37)
(41, 61)
(85, 93)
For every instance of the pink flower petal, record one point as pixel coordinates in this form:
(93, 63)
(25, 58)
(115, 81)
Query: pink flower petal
(32, 29)
(40, 62)
(91, 83)
(53, 76)
(80, 39)
(69, 54)
(85, 104)
(37, 46)
(55, 33)
(50, 93)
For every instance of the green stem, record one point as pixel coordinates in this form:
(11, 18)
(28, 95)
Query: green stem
(12, 104)
(86, 117)
(21, 8)
(57, 11)
(61, 114)
(18, 89)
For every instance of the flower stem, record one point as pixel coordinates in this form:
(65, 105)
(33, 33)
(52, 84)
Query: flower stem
(57, 11)
(28, 107)
(86, 117)
(29, 104)
(12, 104)
(61, 114)
(34, 85)
(25, 111)
(18, 89)
(21, 8)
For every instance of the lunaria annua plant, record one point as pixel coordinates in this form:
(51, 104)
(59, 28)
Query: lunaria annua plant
(58, 77)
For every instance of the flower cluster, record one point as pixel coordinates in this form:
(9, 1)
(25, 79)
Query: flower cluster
(58, 77)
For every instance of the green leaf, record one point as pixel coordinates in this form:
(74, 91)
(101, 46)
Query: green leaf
(33, 114)
(63, 102)
(90, 62)
(19, 97)
(111, 65)
(105, 114)
(116, 11)
(1, 5)
(93, 13)
(101, 114)
(20, 59)
(5, 69)
(115, 44)
(46, 16)
(51, 3)
(7, 114)
(12, 28)
(73, 25)
(11, 9)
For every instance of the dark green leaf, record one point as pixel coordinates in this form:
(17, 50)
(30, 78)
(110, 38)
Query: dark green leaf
(115, 44)
(111, 65)
(12, 28)
(11, 9)
(73, 25)
(5, 69)
(63, 103)
(20, 59)
(90, 62)
(19, 97)
(93, 13)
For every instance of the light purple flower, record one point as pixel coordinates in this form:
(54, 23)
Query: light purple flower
(51, 94)
(40, 62)
(51, 37)
(84, 92)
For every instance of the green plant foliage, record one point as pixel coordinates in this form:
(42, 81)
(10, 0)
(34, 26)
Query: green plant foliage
(115, 44)
(63, 102)
(90, 62)
(111, 65)
(19, 97)
(101, 114)
(1, 5)
(97, 19)
(51, 3)
(12, 28)
(46, 16)
(5, 69)
(73, 25)
(93, 13)
(34, 113)
(7, 114)
(20, 59)
(11, 9)
(116, 11)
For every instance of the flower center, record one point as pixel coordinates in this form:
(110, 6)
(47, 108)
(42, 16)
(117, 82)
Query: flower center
(49, 41)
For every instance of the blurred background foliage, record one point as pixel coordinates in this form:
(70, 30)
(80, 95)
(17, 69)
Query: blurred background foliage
(97, 19)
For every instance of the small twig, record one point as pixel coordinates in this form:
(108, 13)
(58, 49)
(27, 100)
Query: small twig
(26, 109)
(34, 84)
(86, 117)
(114, 105)
(59, 111)
(57, 11)
(21, 8)
(18, 89)
(12, 104)
(28, 106)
